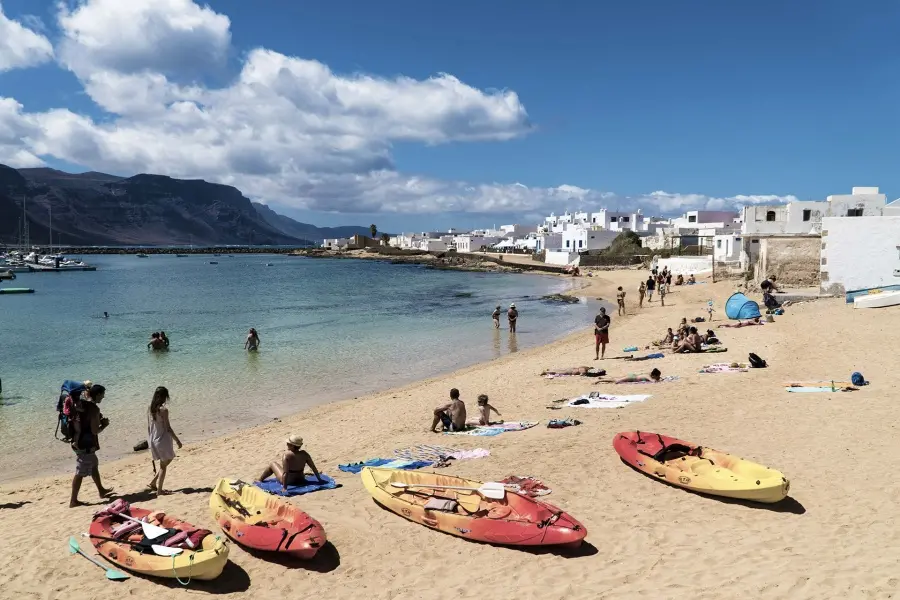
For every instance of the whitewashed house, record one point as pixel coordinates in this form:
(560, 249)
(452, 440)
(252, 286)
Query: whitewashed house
(335, 243)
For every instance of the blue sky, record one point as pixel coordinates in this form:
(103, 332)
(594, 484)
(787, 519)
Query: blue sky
(707, 98)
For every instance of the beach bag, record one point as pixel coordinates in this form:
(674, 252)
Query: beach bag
(857, 379)
(756, 362)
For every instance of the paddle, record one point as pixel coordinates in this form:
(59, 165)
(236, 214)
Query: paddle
(159, 550)
(490, 489)
(74, 548)
(150, 530)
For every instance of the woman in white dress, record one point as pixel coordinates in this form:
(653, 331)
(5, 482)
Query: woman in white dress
(160, 437)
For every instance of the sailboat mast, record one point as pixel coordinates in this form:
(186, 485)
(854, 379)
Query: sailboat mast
(51, 229)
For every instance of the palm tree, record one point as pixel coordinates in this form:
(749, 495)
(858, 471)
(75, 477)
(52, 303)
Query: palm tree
(374, 230)
(385, 238)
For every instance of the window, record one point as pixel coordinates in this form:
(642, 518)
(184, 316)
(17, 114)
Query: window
(625, 219)
(754, 241)
(567, 243)
(770, 215)
(737, 239)
(613, 219)
(807, 214)
(692, 218)
(580, 243)
(718, 243)
(854, 212)
(593, 236)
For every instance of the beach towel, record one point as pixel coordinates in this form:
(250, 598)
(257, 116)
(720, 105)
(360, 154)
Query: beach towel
(272, 486)
(810, 390)
(723, 368)
(562, 423)
(661, 380)
(388, 463)
(470, 454)
(598, 400)
(426, 452)
(712, 349)
(492, 430)
(525, 486)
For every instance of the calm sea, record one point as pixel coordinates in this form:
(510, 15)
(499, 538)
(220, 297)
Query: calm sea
(330, 329)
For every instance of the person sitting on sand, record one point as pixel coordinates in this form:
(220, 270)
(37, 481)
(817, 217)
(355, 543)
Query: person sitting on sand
(753, 321)
(156, 342)
(691, 343)
(679, 280)
(667, 340)
(290, 469)
(691, 280)
(710, 338)
(770, 301)
(655, 376)
(496, 317)
(252, 343)
(452, 416)
(582, 371)
(484, 411)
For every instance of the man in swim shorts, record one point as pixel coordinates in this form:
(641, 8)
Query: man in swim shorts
(601, 333)
(452, 416)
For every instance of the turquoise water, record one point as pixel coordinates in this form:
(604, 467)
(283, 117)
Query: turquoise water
(329, 329)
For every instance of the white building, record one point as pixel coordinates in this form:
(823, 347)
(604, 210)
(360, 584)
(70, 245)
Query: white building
(620, 221)
(709, 218)
(473, 242)
(335, 243)
(892, 209)
(579, 239)
(859, 253)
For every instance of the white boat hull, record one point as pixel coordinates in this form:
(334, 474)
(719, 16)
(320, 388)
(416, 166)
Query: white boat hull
(879, 300)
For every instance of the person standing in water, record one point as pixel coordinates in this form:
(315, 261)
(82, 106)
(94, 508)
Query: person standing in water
(496, 317)
(513, 315)
(252, 343)
(164, 338)
(160, 436)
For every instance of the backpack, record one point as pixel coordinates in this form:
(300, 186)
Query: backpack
(756, 362)
(67, 408)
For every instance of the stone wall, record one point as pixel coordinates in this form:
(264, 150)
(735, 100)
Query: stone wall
(794, 260)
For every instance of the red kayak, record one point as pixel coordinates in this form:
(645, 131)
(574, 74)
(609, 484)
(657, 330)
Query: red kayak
(700, 469)
(262, 521)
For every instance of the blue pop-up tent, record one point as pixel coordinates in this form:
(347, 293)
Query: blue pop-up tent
(740, 306)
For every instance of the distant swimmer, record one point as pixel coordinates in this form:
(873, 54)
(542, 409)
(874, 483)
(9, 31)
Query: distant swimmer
(252, 343)
(105, 315)
(164, 338)
(156, 342)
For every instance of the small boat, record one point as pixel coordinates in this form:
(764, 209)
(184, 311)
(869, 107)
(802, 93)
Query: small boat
(181, 255)
(205, 562)
(16, 291)
(514, 520)
(142, 255)
(213, 262)
(270, 264)
(877, 299)
(700, 469)
(263, 521)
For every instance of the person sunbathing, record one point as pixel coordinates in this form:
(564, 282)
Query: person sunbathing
(582, 371)
(691, 343)
(290, 469)
(484, 411)
(753, 321)
(654, 377)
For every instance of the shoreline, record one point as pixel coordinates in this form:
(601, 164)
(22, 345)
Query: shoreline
(449, 373)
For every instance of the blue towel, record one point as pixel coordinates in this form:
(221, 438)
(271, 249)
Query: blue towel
(272, 486)
(391, 463)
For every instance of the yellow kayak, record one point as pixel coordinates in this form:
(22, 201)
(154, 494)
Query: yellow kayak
(700, 469)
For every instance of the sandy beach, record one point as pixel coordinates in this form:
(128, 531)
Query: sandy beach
(836, 536)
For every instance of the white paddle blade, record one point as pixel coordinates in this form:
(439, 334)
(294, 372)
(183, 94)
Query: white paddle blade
(492, 490)
(165, 550)
(151, 531)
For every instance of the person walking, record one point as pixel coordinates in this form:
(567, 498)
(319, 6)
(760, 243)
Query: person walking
(651, 285)
(160, 436)
(642, 291)
(86, 441)
(601, 333)
(496, 317)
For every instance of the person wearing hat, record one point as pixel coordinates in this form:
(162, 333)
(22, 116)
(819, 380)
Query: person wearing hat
(601, 333)
(290, 470)
(513, 315)
(496, 317)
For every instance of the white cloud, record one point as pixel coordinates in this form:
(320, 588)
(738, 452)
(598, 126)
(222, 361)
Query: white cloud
(286, 129)
(21, 46)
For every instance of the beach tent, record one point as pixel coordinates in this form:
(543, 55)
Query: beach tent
(740, 306)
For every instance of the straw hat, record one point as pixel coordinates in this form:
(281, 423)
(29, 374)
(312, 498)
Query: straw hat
(295, 440)
(513, 305)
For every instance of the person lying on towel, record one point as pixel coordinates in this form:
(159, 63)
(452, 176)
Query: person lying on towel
(739, 324)
(654, 377)
(582, 371)
(290, 469)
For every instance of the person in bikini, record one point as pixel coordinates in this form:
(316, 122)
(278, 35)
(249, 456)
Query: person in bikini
(252, 343)
(582, 371)
(290, 471)
(692, 343)
(452, 416)
(484, 410)
(753, 321)
(620, 300)
(654, 377)
(156, 342)
(496, 317)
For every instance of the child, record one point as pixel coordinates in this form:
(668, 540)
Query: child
(709, 309)
(484, 410)
(662, 294)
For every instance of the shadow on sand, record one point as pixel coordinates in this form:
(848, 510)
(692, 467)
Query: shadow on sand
(147, 495)
(14, 505)
(233, 579)
(326, 560)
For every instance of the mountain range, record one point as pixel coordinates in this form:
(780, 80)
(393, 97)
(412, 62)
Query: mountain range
(97, 209)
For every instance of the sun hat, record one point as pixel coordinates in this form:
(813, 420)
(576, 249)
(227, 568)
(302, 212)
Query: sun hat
(513, 305)
(295, 440)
